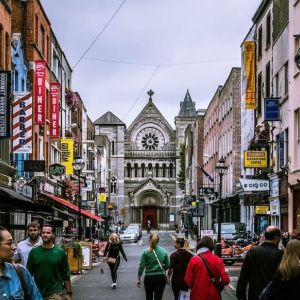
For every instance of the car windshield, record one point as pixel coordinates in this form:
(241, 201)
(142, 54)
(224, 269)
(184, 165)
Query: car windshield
(129, 230)
(228, 228)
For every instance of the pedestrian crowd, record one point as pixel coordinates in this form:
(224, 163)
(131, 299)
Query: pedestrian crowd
(37, 269)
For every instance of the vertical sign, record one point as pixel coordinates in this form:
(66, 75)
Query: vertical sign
(4, 104)
(272, 110)
(249, 58)
(54, 109)
(22, 123)
(40, 93)
(67, 155)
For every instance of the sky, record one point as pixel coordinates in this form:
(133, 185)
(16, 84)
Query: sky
(168, 46)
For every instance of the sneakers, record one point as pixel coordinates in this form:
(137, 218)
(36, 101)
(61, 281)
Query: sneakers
(113, 285)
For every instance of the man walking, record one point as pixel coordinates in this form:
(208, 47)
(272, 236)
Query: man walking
(11, 285)
(24, 247)
(260, 265)
(48, 264)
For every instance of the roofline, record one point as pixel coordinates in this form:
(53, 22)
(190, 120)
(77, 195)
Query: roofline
(260, 10)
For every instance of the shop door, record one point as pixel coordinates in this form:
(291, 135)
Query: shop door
(150, 213)
(261, 222)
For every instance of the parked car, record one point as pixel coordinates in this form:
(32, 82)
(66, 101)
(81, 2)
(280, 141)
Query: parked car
(130, 235)
(229, 231)
(138, 227)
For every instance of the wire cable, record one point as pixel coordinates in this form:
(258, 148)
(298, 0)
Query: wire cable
(142, 91)
(98, 35)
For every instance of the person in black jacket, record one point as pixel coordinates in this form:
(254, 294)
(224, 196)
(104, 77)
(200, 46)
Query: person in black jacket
(286, 282)
(112, 250)
(260, 265)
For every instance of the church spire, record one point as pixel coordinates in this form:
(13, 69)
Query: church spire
(187, 107)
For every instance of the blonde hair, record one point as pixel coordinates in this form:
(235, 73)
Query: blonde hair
(114, 238)
(153, 241)
(289, 267)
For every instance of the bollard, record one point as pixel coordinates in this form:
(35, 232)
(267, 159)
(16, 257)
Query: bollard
(218, 249)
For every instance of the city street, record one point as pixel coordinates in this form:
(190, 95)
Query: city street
(96, 285)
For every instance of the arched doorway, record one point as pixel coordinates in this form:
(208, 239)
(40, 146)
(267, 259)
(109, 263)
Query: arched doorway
(150, 213)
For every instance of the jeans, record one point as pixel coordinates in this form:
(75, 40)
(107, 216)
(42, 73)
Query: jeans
(114, 269)
(154, 284)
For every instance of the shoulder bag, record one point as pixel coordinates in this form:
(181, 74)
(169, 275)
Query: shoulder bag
(22, 280)
(165, 272)
(213, 279)
(111, 260)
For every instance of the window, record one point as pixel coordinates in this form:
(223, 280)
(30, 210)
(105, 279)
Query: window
(135, 170)
(16, 81)
(268, 33)
(280, 150)
(23, 85)
(143, 170)
(164, 170)
(55, 62)
(112, 148)
(286, 79)
(1, 47)
(42, 40)
(268, 79)
(259, 93)
(297, 123)
(36, 29)
(259, 43)
(156, 170)
(276, 85)
(128, 170)
(171, 170)
(113, 185)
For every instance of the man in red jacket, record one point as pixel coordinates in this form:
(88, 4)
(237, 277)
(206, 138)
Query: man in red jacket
(197, 276)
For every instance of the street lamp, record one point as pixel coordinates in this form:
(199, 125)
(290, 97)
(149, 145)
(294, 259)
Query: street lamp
(78, 165)
(221, 169)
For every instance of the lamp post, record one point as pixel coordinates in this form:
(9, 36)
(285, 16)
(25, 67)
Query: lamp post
(78, 165)
(221, 169)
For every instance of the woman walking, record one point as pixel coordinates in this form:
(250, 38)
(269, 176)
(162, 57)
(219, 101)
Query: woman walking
(286, 282)
(201, 268)
(179, 261)
(112, 250)
(155, 261)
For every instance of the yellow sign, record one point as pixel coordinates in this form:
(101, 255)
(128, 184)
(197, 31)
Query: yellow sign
(101, 197)
(249, 59)
(255, 159)
(194, 203)
(261, 209)
(67, 155)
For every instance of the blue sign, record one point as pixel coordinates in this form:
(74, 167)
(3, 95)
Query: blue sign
(272, 111)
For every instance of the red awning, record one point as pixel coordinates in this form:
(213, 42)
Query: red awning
(74, 207)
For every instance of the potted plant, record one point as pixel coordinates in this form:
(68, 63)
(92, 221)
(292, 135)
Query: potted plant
(74, 253)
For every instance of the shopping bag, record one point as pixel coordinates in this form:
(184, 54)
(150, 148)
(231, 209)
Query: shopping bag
(184, 295)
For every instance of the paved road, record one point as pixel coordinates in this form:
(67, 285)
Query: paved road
(95, 285)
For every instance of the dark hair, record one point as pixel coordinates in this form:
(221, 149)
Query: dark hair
(180, 241)
(1, 232)
(49, 225)
(33, 224)
(272, 233)
(206, 241)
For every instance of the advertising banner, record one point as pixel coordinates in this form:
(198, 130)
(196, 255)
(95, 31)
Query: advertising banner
(54, 109)
(249, 58)
(4, 104)
(40, 92)
(254, 185)
(255, 159)
(22, 123)
(67, 155)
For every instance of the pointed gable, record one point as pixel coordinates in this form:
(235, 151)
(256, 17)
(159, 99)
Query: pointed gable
(187, 107)
(109, 119)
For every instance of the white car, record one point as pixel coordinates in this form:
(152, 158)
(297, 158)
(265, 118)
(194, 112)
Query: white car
(138, 227)
(129, 235)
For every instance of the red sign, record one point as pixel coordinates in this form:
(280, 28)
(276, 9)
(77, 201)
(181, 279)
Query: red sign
(54, 109)
(40, 93)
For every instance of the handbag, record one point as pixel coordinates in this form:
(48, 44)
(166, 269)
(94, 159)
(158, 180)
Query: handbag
(165, 272)
(184, 295)
(213, 279)
(111, 260)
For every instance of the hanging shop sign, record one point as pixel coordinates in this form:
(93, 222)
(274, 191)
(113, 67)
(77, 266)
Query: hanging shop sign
(34, 166)
(4, 104)
(22, 123)
(255, 159)
(67, 155)
(54, 109)
(57, 169)
(40, 92)
(249, 59)
(255, 185)
(272, 110)
(261, 210)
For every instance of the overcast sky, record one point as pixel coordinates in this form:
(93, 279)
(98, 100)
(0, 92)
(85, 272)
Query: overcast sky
(166, 45)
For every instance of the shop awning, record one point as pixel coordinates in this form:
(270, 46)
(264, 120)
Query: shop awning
(73, 207)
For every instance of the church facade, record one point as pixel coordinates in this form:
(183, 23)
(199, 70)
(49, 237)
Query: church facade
(144, 164)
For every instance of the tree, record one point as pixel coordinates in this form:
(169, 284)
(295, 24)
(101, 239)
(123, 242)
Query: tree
(181, 174)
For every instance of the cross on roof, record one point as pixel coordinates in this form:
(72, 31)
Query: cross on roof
(150, 93)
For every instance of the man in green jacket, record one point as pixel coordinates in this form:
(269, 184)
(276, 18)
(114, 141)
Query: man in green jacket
(48, 264)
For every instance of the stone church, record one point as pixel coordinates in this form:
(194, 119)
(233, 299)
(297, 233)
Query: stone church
(144, 163)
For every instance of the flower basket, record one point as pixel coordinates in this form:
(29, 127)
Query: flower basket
(71, 99)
